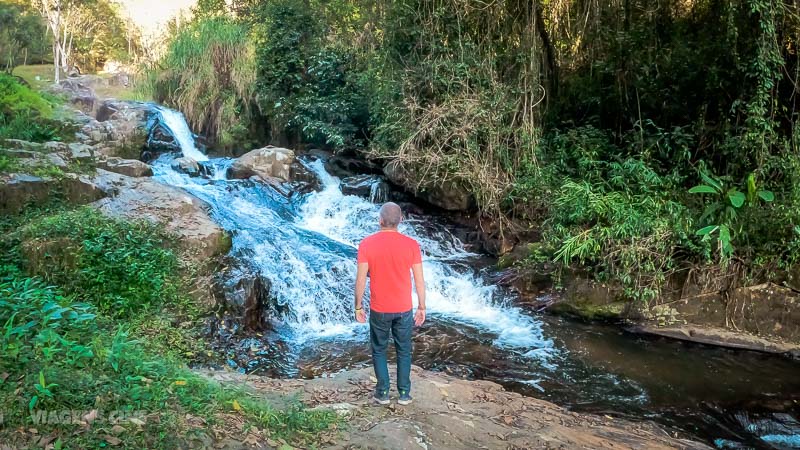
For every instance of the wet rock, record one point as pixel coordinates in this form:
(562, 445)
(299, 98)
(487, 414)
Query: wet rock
(303, 179)
(343, 166)
(129, 167)
(186, 165)
(449, 195)
(160, 138)
(182, 214)
(244, 294)
(372, 187)
(265, 163)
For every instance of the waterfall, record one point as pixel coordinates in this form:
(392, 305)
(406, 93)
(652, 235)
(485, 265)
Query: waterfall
(175, 121)
(305, 247)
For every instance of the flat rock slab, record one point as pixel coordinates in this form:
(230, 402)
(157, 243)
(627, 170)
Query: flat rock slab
(720, 337)
(450, 413)
(182, 214)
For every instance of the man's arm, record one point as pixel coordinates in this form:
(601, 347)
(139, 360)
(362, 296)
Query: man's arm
(361, 287)
(419, 284)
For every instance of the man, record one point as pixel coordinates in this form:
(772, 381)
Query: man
(390, 257)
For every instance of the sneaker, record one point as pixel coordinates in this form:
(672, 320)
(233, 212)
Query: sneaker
(381, 398)
(405, 399)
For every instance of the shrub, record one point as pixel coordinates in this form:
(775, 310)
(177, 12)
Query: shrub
(120, 267)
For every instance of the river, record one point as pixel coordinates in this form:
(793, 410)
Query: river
(304, 247)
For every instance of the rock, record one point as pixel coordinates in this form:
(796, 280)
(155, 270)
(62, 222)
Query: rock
(303, 179)
(244, 294)
(343, 166)
(81, 152)
(186, 165)
(80, 189)
(265, 163)
(129, 167)
(80, 93)
(181, 214)
(450, 413)
(120, 128)
(55, 147)
(19, 144)
(160, 138)
(18, 191)
(372, 187)
(56, 159)
(449, 195)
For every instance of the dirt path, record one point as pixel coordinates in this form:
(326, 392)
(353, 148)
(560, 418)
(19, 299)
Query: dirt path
(449, 413)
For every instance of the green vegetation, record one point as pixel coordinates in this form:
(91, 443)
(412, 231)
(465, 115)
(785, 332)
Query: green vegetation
(588, 122)
(88, 314)
(210, 76)
(27, 114)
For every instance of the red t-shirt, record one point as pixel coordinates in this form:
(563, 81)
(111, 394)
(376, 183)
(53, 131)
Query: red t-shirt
(390, 256)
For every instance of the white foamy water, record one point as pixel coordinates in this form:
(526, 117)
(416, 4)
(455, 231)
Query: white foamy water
(306, 248)
(175, 121)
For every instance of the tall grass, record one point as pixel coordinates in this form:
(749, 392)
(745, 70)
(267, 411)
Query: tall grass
(208, 73)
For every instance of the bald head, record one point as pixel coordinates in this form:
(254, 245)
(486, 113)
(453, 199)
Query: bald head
(390, 215)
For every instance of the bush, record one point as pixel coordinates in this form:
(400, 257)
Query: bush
(120, 267)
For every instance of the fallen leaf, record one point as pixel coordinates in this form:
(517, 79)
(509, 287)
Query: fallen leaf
(444, 393)
(236, 406)
(373, 379)
(136, 421)
(608, 417)
(90, 417)
(3, 376)
(180, 382)
(508, 420)
(112, 440)
(117, 429)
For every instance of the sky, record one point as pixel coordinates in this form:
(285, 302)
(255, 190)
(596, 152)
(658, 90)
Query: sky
(151, 15)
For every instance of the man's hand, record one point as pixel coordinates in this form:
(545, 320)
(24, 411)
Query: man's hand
(361, 316)
(419, 317)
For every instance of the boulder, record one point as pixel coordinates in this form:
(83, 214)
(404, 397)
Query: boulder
(79, 92)
(244, 294)
(372, 187)
(266, 163)
(129, 167)
(449, 195)
(343, 166)
(186, 165)
(18, 191)
(182, 214)
(160, 138)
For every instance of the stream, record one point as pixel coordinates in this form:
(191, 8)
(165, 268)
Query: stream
(304, 246)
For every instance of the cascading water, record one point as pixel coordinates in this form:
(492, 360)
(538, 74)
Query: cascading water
(305, 246)
(175, 121)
